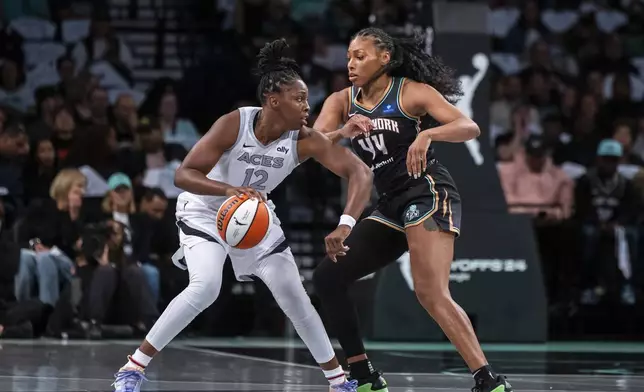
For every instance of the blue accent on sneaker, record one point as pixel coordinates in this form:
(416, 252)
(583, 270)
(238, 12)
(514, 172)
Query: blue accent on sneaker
(348, 386)
(128, 380)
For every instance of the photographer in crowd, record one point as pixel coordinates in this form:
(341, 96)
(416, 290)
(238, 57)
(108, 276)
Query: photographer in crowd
(114, 288)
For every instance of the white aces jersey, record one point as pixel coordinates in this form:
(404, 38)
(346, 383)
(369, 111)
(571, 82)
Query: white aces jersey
(250, 163)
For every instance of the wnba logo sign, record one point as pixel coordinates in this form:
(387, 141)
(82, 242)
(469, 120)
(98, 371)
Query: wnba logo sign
(470, 84)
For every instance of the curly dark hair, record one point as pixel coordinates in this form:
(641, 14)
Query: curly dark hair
(275, 69)
(409, 60)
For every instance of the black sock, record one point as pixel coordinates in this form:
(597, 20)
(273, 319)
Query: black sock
(484, 374)
(361, 369)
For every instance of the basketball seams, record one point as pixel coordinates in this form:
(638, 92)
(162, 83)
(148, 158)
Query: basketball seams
(229, 207)
(257, 230)
(254, 228)
(250, 225)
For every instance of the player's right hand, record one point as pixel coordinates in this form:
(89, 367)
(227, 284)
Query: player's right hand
(335, 242)
(247, 191)
(357, 125)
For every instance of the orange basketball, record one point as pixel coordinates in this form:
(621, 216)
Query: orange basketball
(243, 222)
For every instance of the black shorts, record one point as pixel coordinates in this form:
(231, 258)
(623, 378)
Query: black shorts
(433, 197)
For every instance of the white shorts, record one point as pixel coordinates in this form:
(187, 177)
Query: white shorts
(198, 223)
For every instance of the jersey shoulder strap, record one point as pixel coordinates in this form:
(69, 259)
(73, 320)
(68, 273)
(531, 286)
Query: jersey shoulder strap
(247, 115)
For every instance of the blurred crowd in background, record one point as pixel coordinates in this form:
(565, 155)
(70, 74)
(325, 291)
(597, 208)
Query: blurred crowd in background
(101, 100)
(567, 125)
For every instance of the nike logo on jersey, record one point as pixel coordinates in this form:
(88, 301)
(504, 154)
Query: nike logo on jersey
(247, 146)
(352, 114)
(239, 223)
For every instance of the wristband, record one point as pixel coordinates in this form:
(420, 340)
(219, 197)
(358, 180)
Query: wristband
(347, 220)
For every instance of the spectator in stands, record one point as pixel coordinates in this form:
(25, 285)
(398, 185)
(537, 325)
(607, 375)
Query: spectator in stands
(621, 104)
(623, 133)
(17, 319)
(163, 239)
(175, 129)
(535, 185)
(98, 104)
(504, 147)
(502, 108)
(14, 147)
(583, 142)
(78, 94)
(14, 91)
(96, 147)
(64, 129)
(40, 171)
(154, 203)
(553, 134)
(114, 288)
(528, 29)
(125, 119)
(119, 206)
(49, 234)
(612, 59)
(102, 44)
(607, 208)
(525, 122)
(151, 152)
(541, 92)
(66, 71)
(638, 145)
(48, 100)
(568, 105)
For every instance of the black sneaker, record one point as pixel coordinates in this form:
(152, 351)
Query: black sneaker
(501, 384)
(375, 382)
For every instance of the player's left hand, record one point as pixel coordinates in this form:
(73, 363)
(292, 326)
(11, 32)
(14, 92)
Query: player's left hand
(417, 155)
(335, 242)
(356, 125)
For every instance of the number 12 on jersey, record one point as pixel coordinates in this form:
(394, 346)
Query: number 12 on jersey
(262, 176)
(373, 143)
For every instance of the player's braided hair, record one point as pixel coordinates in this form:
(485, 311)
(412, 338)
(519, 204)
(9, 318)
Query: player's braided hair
(409, 59)
(274, 68)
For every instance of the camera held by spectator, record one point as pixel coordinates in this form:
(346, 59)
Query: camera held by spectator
(95, 238)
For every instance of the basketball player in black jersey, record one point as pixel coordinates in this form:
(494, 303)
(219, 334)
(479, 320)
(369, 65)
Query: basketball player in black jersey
(395, 83)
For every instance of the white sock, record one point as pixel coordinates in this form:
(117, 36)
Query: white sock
(335, 376)
(138, 359)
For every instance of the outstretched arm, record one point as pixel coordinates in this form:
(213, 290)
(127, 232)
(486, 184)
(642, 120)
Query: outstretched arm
(346, 165)
(333, 113)
(343, 163)
(191, 176)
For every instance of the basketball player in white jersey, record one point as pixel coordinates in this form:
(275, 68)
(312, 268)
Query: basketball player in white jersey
(250, 151)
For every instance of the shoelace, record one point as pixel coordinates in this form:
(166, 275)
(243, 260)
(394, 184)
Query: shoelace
(130, 377)
(349, 386)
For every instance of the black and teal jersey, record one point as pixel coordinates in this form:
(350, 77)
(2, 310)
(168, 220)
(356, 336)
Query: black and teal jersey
(385, 149)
